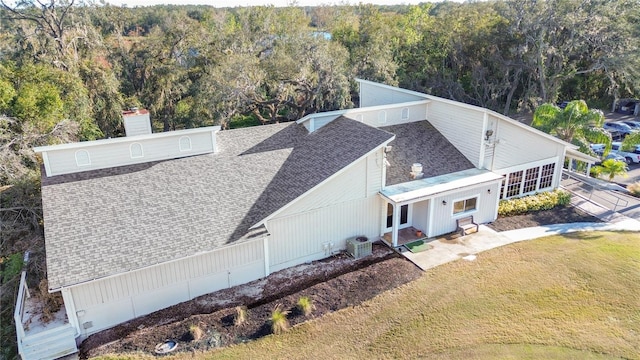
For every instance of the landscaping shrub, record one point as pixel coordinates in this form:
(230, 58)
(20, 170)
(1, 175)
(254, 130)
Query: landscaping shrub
(279, 322)
(195, 332)
(634, 189)
(305, 305)
(241, 315)
(542, 201)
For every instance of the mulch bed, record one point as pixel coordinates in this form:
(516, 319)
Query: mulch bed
(332, 284)
(558, 215)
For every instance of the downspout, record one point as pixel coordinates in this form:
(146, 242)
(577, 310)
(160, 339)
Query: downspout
(70, 306)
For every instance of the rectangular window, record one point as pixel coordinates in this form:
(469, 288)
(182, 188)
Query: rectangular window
(531, 180)
(515, 180)
(546, 179)
(465, 205)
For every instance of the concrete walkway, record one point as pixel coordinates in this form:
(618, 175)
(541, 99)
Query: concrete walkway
(444, 251)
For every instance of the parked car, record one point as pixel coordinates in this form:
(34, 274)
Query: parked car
(617, 127)
(630, 157)
(634, 125)
(597, 148)
(626, 106)
(614, 156)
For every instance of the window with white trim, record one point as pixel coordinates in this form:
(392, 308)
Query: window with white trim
(83, 158)
(531, 180)
(546, 180)
(515, 180)
(465, 205)
(527, 181)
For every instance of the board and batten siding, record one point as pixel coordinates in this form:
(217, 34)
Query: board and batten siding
(462, 126)
(443, 220)
(518, 146)
(103, 303)
(318, 233)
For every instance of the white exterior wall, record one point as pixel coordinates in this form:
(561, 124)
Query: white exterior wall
(104, 303)
(319, 224)
(442, 220)
(463, 126)
(391, 115)
(420, 215)
(102, 154)
(517, 146)
(316, 234)
(374, 94)
(375, 116)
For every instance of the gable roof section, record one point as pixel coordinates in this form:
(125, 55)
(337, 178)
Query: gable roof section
(420, 142)
(104, 222)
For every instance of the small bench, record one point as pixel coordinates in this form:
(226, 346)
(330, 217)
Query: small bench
(465, 224)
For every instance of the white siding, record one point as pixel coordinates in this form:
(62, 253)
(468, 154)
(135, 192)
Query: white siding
(443, 221)
(391, 115)
(360, 180)
(61, 159)
(375, 172)
(107, 302)
(462, 126)
(420, 215)
(372, 94)
(316, 234)
(518, 146)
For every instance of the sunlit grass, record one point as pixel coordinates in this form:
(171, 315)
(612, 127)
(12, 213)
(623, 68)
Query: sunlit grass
(561, 297)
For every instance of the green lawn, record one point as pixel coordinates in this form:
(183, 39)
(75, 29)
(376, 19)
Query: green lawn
(562, 297)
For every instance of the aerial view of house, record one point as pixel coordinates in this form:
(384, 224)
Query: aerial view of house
(139, 223)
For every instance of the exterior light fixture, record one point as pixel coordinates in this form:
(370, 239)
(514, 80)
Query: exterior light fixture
(488, 134)
(444, 202)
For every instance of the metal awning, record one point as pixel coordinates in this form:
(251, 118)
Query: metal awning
(425, 188)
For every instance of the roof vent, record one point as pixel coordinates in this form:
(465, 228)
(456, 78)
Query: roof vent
(416, 171)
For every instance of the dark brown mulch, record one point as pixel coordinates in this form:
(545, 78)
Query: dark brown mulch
(558, 215)
(332, 284)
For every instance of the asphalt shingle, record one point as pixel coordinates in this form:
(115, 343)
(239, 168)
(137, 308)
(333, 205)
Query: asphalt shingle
(103, 222)
(420, 142)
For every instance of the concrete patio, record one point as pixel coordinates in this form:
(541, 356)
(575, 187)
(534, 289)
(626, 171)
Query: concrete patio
(452, 247)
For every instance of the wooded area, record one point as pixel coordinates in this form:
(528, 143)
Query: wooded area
(69, 68)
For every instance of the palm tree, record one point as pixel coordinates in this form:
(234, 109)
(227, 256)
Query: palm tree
(612, 168)
(576, 124)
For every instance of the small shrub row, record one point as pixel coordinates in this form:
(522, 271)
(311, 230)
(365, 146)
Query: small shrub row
(278, 320)
(542, 201)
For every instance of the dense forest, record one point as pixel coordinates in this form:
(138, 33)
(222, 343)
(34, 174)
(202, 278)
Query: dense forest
(69, 68)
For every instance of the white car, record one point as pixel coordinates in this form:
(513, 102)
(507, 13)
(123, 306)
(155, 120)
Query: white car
(631, 157)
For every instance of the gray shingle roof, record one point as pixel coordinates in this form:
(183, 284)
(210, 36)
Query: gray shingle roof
(420, 142)
(108, 221)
